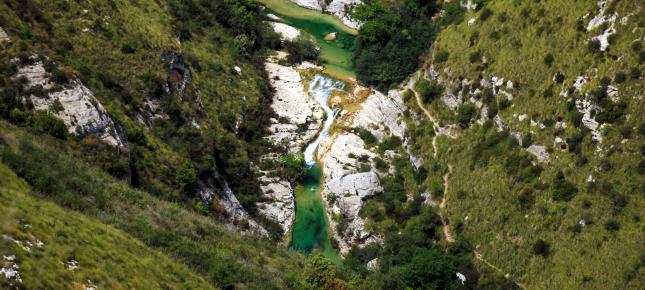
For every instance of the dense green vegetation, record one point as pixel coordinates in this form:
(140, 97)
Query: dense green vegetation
(217, 254)
(129, 216)
(118, 49)
(394, 36)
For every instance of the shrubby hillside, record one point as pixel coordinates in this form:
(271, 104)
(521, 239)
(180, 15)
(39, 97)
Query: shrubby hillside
(132, 134)
(538, 147)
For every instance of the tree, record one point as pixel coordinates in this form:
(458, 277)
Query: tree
(428, 90)
(429, 269)
(186, 177)
(465, 113)
(300, 50)
(320, 273)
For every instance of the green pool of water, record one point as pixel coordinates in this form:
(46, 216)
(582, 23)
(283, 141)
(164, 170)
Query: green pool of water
(336, 54)
(310, 231)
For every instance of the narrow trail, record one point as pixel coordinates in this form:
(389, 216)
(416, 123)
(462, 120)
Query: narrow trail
(446, 179)
(445, 228)
(480, 258)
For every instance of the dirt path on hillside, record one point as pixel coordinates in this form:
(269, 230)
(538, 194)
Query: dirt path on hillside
(479, 257)
(446, 177)
(445, 228)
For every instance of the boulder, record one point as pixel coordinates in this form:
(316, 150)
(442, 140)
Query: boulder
(287, 32)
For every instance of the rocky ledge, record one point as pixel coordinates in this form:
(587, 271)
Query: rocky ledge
(346, 188)
(73, 103)
(298, 119)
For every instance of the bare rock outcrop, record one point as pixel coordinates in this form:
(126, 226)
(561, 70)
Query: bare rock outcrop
(178, 73)
(346, 188)
(280, 207)
(4, 37)
(234, 213)
(298, 120)
(340, 8)
(73, 103)
(299, 116)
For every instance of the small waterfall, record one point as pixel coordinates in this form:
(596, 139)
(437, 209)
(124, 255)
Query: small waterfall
(321, 88)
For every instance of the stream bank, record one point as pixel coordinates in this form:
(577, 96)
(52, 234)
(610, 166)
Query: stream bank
(311, 228)
(337, 52)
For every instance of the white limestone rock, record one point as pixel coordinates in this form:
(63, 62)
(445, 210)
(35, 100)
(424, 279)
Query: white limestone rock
(372, 265)
(340, 8)
(300, 116)
(345, 188)
(589, 111)
(280, 207)
(380, 114)
(335, 155)
(81, 112)
(288, 32)
(4, 37)
(539, 152)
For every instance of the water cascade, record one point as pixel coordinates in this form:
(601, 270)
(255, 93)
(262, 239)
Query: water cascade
(311, 228)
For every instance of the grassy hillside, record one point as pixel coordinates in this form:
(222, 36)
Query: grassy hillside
(117, 49)
(217, 254)
(573, 221)
(47, 242)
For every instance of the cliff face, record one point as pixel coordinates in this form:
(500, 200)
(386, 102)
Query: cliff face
(72, 102)
(351, 174)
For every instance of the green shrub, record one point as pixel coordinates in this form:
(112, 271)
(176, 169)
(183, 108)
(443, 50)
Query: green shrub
(429, 90)
(391, 143)
(441, 56)
(301, 50)
(429, 269)
(186, 177)
(562, 189)
(502, 17)
(46, 123)
(366, 135)
(612, 226)
(380, 164)
(293, 166)
(486, 13)
(541, 247)
(593, 46)
(526, 197)
(474, 56)
(549, 59)
(127, 48)
(620, 77)
(559, 77)
(465, 113)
